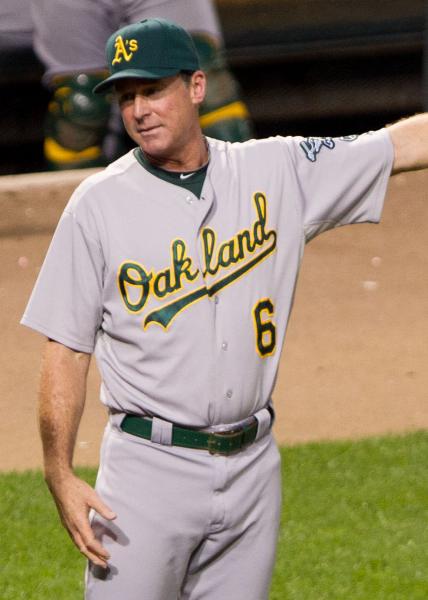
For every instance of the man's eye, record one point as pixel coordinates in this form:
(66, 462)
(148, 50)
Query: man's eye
(126, 97)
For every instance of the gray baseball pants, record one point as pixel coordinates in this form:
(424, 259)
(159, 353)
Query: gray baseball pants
(190, 525)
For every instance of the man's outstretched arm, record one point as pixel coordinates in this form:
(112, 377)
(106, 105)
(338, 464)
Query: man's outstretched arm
(61, 401)
(410, 139)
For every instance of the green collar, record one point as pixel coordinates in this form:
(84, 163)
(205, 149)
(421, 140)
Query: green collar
(190, 180)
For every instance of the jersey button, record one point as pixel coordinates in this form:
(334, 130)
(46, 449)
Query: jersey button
(229, 393)
(224, 346)
(189, 199)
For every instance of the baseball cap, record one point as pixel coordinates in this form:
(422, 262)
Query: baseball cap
(150, 49)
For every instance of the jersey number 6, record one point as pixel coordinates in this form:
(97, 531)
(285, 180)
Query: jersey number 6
(264, 327)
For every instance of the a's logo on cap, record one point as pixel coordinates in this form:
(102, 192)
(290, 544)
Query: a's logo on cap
(124, 49)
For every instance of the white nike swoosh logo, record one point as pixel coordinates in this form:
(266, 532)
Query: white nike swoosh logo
(183, 176)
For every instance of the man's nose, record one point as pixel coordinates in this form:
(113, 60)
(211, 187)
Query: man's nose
(141, 107)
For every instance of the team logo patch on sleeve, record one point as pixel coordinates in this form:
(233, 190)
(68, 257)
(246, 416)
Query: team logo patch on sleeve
(348, 138)
(312, 146)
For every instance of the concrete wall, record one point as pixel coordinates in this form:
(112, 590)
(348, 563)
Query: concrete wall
(355, 358)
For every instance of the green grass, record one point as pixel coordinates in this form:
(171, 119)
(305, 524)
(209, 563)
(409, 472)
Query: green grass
(37, 559)
(355, 521)
(355, 527)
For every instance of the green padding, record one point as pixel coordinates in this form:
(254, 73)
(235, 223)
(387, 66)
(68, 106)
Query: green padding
(215, 443)
(73, 100)
(76, 123)
(233, 130)
(222, 90)
(77, 163)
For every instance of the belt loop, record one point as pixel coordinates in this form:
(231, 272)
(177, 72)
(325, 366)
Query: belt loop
(264, 420)
(116, 418)
(161, 432)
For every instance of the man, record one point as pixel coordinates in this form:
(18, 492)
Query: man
(178, 265)
(69, 38)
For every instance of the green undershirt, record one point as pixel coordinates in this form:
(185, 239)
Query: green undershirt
(193, 182)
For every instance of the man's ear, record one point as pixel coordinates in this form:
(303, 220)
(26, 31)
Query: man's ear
(198, 86)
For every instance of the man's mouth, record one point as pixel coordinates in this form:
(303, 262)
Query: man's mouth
(147, 130)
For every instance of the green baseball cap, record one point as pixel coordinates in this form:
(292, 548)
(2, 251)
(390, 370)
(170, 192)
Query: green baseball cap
(150, 49)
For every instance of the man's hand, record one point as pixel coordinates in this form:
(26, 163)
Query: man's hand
(74, 499)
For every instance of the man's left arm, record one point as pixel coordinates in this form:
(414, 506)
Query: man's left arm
(410, 140)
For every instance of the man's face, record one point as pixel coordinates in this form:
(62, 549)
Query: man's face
(161, 115)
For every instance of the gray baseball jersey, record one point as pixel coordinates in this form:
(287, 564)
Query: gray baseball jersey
(71, 36)
(185, 301)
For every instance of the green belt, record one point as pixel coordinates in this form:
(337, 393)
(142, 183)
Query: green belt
(226, 442)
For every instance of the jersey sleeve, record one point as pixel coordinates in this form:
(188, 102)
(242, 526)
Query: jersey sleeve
(66, 302)
(340, 180)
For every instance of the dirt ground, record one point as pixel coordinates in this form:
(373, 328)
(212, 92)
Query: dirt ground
(354, 362)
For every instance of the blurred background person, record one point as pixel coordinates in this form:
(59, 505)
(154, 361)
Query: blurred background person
(81, 129)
